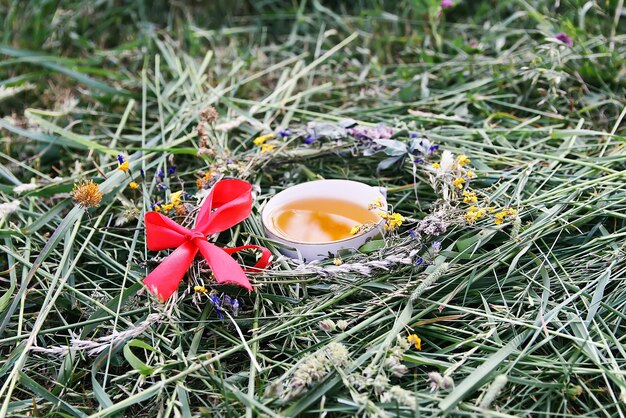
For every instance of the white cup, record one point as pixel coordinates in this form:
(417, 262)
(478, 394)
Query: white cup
(353, 191)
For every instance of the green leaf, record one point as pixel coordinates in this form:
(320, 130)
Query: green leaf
(134, 361)
(474, 239)
(371, 246)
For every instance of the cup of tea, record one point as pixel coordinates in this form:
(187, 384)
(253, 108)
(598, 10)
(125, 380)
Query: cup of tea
(318, 219)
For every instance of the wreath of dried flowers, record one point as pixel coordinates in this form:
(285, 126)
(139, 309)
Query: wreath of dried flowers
(407, 241)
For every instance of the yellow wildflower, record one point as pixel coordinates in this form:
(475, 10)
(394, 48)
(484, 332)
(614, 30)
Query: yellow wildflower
(267, 147)
(355, 229)
(376, 203)
(471, 174)
(395, 220)
(133, 185)
(200, 289)
(123, 166)
(470, 217)
(337, 261)
(167, 207)
(458, 182)
(383, 215)
(415, 340)
(473, 214)
(503, 214)
(500, 217)
(87, 194)
(261, 139)
(463, 160)
(436, 165)
(469, 197)
(175, 197)
(491, 209)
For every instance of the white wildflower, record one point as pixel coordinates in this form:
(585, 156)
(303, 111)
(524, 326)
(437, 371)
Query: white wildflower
(67, 104)
(395, 367)
(494, 390)
(342, 324)
(380, 383)
(437, 381)
(338, 354)
(328, 325)
(8, 208)
(447, 162)
(317, 366)
(201, 194)
(231, 124)
(129, 213)
(402, 343)
(403, 396)
(24, 187)
(6, 92)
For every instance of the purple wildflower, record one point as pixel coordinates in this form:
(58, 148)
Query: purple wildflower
(171, 170)
(284, 133)
(235, 305)
(155, 205)
(120, 158)
(217, 304)
(419, 261)
(143, 174)
(446, 3)
(418, 160)
(227, 300)
(433, 148)
(433, 224)
(161, 187)
(160, 174)
(563, 38)
(366, 133)
(309, 140)
(414, 234)
(436, 245)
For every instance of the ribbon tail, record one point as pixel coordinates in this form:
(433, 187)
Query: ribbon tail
(224, 267)
(163, 281)
(264, 261)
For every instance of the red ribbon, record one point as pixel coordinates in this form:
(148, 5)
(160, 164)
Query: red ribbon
(228, 203)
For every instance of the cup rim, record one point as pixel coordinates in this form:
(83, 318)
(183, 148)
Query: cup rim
(376, 226)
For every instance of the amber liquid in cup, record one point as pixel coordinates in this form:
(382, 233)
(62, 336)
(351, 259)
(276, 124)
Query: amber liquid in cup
(319, 220)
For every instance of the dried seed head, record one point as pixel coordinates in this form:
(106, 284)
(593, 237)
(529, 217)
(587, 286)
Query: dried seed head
(209, 114)
(87, 194)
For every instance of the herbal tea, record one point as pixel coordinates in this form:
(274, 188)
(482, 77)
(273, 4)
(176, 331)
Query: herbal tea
(320, 220)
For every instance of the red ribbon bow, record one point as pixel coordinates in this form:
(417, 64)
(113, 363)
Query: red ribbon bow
(228, 203)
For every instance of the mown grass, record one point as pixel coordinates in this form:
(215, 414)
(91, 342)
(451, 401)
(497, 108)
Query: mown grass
(542, 303)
